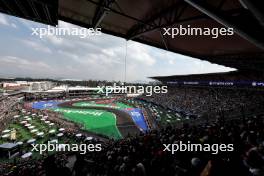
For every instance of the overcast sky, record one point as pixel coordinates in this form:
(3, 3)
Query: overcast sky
(96, 57)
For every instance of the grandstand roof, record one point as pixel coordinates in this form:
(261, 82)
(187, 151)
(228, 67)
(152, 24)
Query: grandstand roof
(225, 76)
(143, 21)
(83, 88)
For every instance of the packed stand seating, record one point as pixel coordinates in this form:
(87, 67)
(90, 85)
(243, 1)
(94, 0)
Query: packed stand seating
(6, 103)
(8, 107)
(200, 101)
(144, 155)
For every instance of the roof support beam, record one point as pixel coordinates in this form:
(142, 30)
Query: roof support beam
(240, 26)
(117, 12)
(31, 3)
(10, 9)
(256, 8)
(101, 12)
(47, 13)
(164, 18)
(167, 18)
(21, 8)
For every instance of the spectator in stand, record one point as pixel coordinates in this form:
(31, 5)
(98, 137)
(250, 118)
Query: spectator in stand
(201, 101)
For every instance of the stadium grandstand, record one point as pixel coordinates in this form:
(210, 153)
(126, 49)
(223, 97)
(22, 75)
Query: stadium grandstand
(201, 109)
(202, 94)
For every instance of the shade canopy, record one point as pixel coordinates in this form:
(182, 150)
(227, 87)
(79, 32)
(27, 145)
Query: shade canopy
(144, 21)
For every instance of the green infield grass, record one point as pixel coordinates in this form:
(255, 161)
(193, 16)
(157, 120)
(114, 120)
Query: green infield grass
(97, 121)
(117, 105)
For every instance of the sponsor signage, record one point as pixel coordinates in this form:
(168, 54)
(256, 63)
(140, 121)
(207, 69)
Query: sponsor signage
(219, 83)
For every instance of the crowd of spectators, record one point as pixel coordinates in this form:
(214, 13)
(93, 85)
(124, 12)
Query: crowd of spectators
(200, 101)
(144, 154)
(60, 163)
(8, 107)
(6, 103)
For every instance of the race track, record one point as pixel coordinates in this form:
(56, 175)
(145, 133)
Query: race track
(124, 122)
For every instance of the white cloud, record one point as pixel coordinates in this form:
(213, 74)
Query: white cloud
(69, 55)
(36, 45)
(21, 63)
(140, 53)
(54, 39)
(4, 21)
